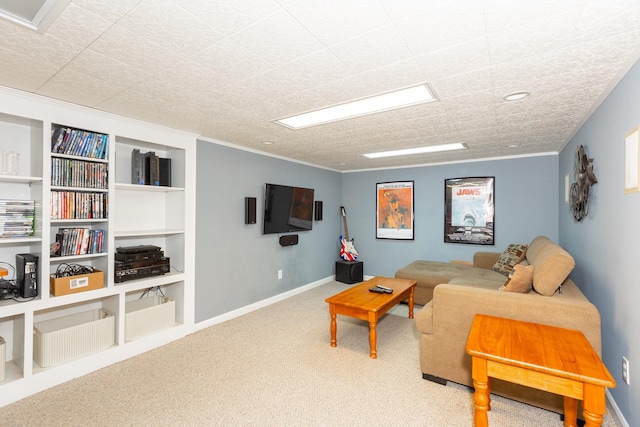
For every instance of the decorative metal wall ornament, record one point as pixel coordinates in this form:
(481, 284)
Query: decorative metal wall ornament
(584, 179)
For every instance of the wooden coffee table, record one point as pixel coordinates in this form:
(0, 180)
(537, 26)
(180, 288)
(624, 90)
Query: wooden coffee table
(545, 357)
(362, 304)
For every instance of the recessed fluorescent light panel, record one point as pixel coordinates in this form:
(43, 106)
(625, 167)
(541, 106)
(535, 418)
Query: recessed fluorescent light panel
(36, 15)
(375, 104)
(418, 150)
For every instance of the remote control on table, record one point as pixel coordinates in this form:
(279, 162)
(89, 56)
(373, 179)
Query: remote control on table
(381, 290)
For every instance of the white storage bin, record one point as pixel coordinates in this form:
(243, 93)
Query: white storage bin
(58, 340)
(3, 358)
(147, 315)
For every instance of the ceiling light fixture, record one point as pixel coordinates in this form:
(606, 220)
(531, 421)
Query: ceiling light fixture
(36, 15)
(516, 96)
(375, 104)
(417, 150)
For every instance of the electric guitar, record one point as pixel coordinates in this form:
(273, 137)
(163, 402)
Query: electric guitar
(347, 250)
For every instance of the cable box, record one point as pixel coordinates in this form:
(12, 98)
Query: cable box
(137, 249)
(128, 257)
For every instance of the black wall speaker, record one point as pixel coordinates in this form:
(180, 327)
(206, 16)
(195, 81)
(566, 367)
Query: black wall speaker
(318, 210)
(289, 240)
(249, 210)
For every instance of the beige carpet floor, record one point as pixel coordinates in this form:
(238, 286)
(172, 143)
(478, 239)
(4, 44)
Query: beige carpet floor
(272, 367)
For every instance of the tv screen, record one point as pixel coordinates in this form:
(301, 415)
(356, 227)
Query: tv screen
(287, 209)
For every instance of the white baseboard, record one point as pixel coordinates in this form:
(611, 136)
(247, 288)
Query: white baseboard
(260, 304)
(616, 409)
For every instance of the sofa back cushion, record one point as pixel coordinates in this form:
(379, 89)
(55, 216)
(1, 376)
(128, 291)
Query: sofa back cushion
(551, 263)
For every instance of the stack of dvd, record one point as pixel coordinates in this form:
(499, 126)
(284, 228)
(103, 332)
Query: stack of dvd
(17, 218)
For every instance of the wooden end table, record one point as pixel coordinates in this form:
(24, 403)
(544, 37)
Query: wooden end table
(362, 304)
(545, 357)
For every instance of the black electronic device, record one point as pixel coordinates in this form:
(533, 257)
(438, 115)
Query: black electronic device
(287, 209)
(165, 171)
(250, 210)
(349, 271)
(140, 256)
(317, 211)
(151, 168)
(137, 167)
(289, 240)
(137, 249)
(135, 270)
(27, 275)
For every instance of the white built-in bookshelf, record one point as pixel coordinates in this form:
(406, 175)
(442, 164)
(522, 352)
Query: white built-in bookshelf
(100, 199)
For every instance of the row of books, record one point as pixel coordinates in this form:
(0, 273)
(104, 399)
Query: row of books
(78, 241)
(78, 173)
(77, 142)
(17, 218)
(79, 205)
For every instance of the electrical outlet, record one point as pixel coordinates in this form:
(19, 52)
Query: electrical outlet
(625, 370)
(279, 274)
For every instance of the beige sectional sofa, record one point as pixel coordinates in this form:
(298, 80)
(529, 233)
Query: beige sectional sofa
(454, 292)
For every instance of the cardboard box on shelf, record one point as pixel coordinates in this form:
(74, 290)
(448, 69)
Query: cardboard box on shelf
(74, 284)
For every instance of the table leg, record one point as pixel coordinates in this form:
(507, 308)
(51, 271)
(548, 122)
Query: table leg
(334, 325)
(570, 411)
(373, 337)
(411, 302)
(593, 405)
(481, 394)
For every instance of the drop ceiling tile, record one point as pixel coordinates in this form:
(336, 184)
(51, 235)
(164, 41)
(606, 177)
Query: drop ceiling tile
(278, 39)
(335, 21)
(34, 72)
(78, 88)
(404, 73)
(110, 71)
(456, 59)
(140, 52)
(170, 27)
(78, 26)
(232, 60)
(463, 84)
(230, 16)
(426, 32)
(111, 10)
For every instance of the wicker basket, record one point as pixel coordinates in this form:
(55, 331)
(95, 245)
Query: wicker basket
(58, 340)
(145, 316)
(3, 358)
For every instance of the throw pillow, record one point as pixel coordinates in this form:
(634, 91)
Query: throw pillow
(509, 258)
(520, 279)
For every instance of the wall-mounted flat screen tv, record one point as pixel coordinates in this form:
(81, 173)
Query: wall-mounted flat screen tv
(287, 209)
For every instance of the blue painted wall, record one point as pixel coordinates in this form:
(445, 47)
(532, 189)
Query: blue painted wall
(236, 264)
(526, 205)
(605, 244)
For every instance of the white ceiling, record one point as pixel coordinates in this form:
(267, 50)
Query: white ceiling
(226, 69)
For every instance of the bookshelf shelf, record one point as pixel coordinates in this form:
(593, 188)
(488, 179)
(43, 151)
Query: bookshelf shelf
(133, 215)
(148, 188)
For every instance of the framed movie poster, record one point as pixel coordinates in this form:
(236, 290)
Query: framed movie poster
(394, 210)
(469, 210)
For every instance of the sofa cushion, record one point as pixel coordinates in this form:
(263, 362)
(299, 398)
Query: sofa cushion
(551, 263)
(520, 279)
(509, 258)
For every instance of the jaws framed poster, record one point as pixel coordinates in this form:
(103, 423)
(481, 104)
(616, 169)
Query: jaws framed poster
(469, 210)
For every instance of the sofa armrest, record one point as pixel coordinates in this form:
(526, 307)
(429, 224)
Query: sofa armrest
(485, 259)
